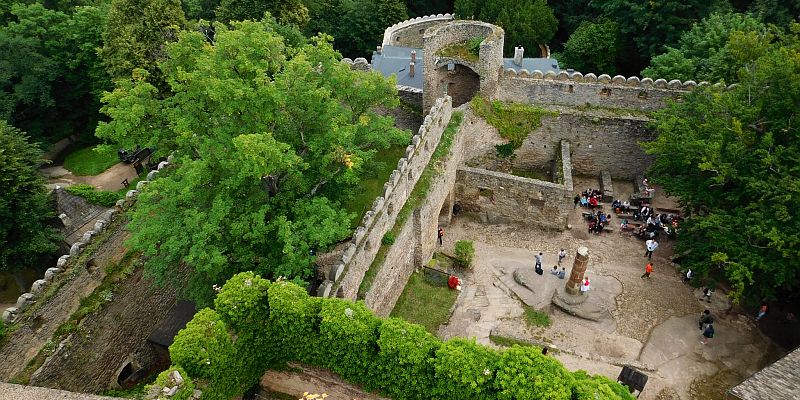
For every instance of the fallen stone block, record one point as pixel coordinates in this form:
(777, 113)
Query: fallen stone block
(87, 237)
(131, 194)
(523, 279)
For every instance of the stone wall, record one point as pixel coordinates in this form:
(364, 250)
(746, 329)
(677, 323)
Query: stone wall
(410, 95)
(578, 90)
(409, 33)
(345, 278)
(598, 142)
(490, 58)
(496, 197)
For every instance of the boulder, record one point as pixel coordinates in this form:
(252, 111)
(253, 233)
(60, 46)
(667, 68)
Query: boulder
(24, 300)
(580, 306)
(523, 279)
(9, 315)
(38, 286)
(51, 273)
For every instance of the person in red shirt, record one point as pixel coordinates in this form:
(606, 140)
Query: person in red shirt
(648, 270)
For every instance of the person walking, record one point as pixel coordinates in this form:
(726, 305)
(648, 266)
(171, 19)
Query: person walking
(440, 234)
(561, 256)
(705, 318)
(688, 276)
(585, 285)
(651, 245)
(707, 292)
(648, 269)
(576, 200)
(762, 311)
(708, 333)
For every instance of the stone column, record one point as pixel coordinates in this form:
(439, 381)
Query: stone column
(578, 268)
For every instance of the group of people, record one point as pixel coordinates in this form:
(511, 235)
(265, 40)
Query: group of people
(597, 221)
(555, 271)
(589, 198)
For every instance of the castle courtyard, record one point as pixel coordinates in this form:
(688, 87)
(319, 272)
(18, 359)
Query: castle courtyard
(650, 324)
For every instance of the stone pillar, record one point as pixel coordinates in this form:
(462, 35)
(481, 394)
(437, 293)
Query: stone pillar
(578, 268)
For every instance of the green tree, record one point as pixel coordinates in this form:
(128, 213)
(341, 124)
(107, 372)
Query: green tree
(421, 8)
(24, 204)
(704, 52)
(731, 156)
(291, 12)
(528, 23)
(356, 25)
(592, 48)
(267, 139)
(651, 26)
(135, 35)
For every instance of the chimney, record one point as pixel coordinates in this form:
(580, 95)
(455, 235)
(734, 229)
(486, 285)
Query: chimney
(411, 68)
(413, 56)
(518, 52)
(379, 49)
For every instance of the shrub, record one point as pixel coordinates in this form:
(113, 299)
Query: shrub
(99, 197)
(474, 45)
(504, 150)
(388, 239)
(294, 322)
(596, 387)
(514, 121)
(465, 253)
(242, 302)
(349, 332)
(2, 330)
(524, 373)
(404, 364)
(465, 367)
(203, 347)
(163, 380)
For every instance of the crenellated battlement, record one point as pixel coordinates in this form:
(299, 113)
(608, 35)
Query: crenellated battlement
(359, 254)
(409, 32)
(618, 80)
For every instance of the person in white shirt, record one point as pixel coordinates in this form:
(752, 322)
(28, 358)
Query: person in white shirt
(651, 246)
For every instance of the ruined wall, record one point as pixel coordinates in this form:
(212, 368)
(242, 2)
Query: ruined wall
(498, 198)
(488, 66)
(409, 33)
(598, 143)
(578, 90)
(410, 95)
(359, 254)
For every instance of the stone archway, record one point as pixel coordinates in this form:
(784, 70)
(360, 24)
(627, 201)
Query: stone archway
(459, 82)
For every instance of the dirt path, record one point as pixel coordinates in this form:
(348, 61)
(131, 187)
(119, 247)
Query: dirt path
(652, 324)
(111, 179)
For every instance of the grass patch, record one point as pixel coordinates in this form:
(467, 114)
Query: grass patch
(508, 341)
(89, 161)
(418, 194)
(372, 186)
(514, 121)
(542, 176)
(534, 317)
(467, 51)
(425, 304)
(99, 197)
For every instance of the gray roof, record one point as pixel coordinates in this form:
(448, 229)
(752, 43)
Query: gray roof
(779, 381)
(395, 60)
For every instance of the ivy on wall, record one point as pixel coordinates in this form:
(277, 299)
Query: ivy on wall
(514, 121)
(259, 324)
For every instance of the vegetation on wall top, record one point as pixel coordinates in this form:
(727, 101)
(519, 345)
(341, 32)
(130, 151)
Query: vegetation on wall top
(514, 121)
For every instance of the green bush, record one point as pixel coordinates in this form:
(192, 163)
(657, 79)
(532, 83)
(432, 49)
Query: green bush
(99, 197)
(504, 150)
(474, 46)
(242, 302)
(163, 380)
(204, 347)
(294, 322)
(349, 332)
(405, 359)
(514, 121)
(465, 367)
(598, 387)
(465, 253)
(524, 373)
(388, 239)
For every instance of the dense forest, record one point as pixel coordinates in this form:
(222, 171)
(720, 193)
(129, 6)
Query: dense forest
(222, 83)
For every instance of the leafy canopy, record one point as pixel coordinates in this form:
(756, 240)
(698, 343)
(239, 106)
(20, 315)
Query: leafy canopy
(267, 139)
(24, 204)
(733, 158)
(528, 23)
(592, 48)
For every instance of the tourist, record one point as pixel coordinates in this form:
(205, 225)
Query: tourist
(440, 234)
(651, 245)
(563, 273)
(592, 225)
(707, 292)
(626, 206)
(688, 276)
(561, 255)
(705, 318)
(616, 206)
(584, 201)
(544, 351)
(585, 285)
(708, 333)
(538, 260)
(648, 269)
(576, 200)
(593, 203)
(761, 312)
(554, 271)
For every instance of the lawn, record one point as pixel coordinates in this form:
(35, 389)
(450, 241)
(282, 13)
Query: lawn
(88, 162)
(424, 303)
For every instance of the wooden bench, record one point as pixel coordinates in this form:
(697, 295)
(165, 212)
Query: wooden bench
(607, 186)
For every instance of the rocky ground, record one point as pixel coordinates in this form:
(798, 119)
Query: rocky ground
(651, 324)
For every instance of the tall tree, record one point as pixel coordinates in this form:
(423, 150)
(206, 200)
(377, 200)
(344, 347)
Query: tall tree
(290, 12)
(267, 140)
(421, 8)
(24, 205)
(705, 53)
(136, 33)
(653, 25)
(528, 22)
(592, 48)
(733, 158)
